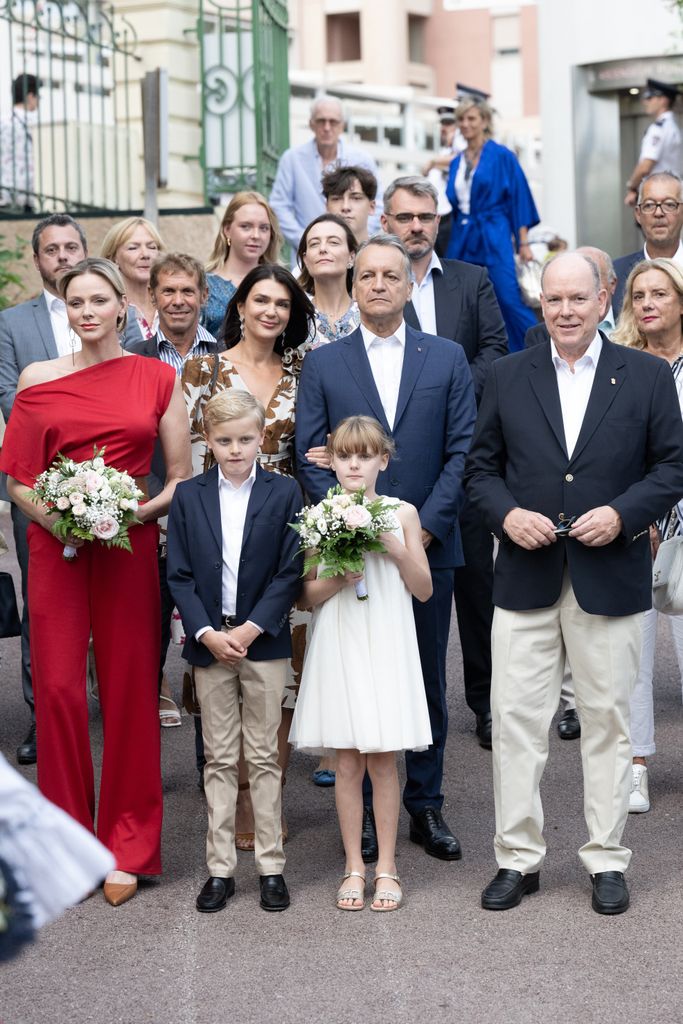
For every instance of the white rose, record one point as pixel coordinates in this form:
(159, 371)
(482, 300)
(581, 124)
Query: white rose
(63, 503)
(79, 510)
(98, 463)
(105, 528)
(76, 498)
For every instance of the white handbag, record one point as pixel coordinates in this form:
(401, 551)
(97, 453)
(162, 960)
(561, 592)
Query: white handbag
(667, 577)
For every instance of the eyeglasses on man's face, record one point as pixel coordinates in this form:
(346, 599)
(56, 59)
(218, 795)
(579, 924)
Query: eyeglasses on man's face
(649, 207)
(407, 218)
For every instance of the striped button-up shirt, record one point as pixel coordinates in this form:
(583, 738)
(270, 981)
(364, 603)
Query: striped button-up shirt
(204, 342)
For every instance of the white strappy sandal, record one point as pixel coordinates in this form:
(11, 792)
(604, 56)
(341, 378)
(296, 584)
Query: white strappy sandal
(351, 894)
(384, 894)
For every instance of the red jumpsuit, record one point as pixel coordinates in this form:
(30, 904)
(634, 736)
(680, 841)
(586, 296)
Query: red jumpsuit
(113, 594)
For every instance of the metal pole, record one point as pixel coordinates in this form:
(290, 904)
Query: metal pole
(155, 137)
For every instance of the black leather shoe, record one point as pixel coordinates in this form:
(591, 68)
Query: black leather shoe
(507, 888)
(430, 830)
(368, 838)
(274, 893)
(215, 894)
(483, 730)
(27, 752)
(610, 894)
(569, 726)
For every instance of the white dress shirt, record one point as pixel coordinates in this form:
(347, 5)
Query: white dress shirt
(66, 340)
(385, 356)
(575, 386)
(422, 297)
(233, 504)
(677, 256)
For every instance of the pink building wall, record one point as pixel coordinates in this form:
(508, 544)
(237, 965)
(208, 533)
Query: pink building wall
(458, 48)
(529, 36)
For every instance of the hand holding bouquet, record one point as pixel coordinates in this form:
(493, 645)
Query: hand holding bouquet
(340, 529)
(96, 501)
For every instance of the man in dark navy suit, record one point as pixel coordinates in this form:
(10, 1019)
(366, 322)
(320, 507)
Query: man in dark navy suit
(659, 211)
(578, 448)
(455, 300)
(420, 389)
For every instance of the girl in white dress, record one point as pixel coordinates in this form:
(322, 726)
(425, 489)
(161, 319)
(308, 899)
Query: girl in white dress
(362, 692)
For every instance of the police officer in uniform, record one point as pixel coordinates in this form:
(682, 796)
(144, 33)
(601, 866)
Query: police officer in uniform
(661, 148)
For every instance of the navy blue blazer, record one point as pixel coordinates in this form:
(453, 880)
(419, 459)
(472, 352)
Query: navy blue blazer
(269, 576)
(432, 429)
(629, 454)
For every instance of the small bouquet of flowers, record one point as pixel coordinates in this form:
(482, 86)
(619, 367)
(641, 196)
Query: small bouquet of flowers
(96, 501)
(340, 529)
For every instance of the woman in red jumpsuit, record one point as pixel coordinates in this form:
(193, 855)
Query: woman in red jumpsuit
(98, 396)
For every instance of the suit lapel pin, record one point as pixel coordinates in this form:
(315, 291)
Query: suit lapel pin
(419, 349)
(612, 380)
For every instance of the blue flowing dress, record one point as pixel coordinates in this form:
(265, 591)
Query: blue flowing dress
(500, 204)
(216, 305)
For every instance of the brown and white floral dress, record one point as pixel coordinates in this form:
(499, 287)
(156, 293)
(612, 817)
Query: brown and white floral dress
(199, 383)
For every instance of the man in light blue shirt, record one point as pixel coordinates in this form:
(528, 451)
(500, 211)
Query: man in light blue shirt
(297, 196)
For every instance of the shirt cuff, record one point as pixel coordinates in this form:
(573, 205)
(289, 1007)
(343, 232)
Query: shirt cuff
(200, 632)
(256, 626)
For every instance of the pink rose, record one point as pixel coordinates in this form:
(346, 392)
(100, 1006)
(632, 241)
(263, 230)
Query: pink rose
(357, 517)
(105, 528)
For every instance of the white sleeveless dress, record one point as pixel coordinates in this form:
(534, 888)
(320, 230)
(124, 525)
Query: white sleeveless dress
(362, 685)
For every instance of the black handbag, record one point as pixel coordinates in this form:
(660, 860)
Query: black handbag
(10, 623)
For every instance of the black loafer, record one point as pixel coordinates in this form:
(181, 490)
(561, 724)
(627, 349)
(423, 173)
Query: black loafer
(610, 894)
(274, 892)
(507, 888)
(569, 726)
(368, 838)
(215, 894)
(483, 730)
(27, 752)
(428, 829)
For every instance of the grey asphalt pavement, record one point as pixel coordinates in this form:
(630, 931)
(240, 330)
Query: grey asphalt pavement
(440, 959)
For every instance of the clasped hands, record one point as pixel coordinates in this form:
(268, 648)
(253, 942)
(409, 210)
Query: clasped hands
(230, 647)
(531, 530)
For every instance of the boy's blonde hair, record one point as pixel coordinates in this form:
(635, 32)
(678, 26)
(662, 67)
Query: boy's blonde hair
(360, 434)
(233, 405)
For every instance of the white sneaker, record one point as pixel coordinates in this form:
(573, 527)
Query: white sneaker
(639, 799)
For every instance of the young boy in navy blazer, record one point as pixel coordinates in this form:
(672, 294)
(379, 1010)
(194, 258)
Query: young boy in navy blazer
(234, 573)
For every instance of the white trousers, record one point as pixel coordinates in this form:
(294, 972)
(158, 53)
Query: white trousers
(529, 650)
(642, 699)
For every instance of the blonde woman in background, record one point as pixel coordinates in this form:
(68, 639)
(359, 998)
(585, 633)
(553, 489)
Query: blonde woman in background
(133, 245)
(651, 319)
(249, 234)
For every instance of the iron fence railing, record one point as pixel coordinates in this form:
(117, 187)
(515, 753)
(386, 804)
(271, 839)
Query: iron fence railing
(245, 93)
(75, 150)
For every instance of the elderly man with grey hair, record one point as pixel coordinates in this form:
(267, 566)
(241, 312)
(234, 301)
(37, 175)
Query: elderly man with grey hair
(297, 195)
(577, 449)
(419, 387)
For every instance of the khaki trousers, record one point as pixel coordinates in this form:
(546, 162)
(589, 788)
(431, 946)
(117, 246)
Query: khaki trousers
(261, 685)
(529, 650)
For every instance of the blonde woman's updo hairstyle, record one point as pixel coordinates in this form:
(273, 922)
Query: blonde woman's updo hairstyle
(105, 269)
(358, 434)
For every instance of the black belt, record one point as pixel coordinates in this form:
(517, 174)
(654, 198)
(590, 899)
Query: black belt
(230, 621)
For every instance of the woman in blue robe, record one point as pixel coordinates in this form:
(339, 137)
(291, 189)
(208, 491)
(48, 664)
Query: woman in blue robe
(492, 207)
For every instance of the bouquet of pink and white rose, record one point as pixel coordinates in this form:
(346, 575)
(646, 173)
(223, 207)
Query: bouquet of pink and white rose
(96, 501)
(338, 531)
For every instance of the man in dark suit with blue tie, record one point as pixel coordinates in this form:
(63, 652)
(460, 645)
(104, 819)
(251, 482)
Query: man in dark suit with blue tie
(420, 389)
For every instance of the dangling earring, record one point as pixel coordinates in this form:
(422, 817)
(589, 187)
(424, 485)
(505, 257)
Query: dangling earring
(282, 337)
(241, 327)
(72, 343)
(227, 239)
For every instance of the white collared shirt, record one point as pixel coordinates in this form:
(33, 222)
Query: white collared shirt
(422, 297)
(385, 356)
(233, 501)
(66, 340)
(677, 256)
(575, 388)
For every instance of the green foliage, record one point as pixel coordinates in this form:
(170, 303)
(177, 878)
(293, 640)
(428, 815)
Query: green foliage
(8, 277)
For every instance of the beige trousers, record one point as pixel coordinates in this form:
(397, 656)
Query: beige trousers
(529, 650)
(261, 685)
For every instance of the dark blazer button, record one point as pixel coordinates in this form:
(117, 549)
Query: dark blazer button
(394, 481)
(216, 565)
(569, 478)
(215, 603)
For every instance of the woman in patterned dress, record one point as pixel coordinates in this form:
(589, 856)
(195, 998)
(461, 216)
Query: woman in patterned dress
(267, 330)
(651, 319)
(326, 253)
(248, 236)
